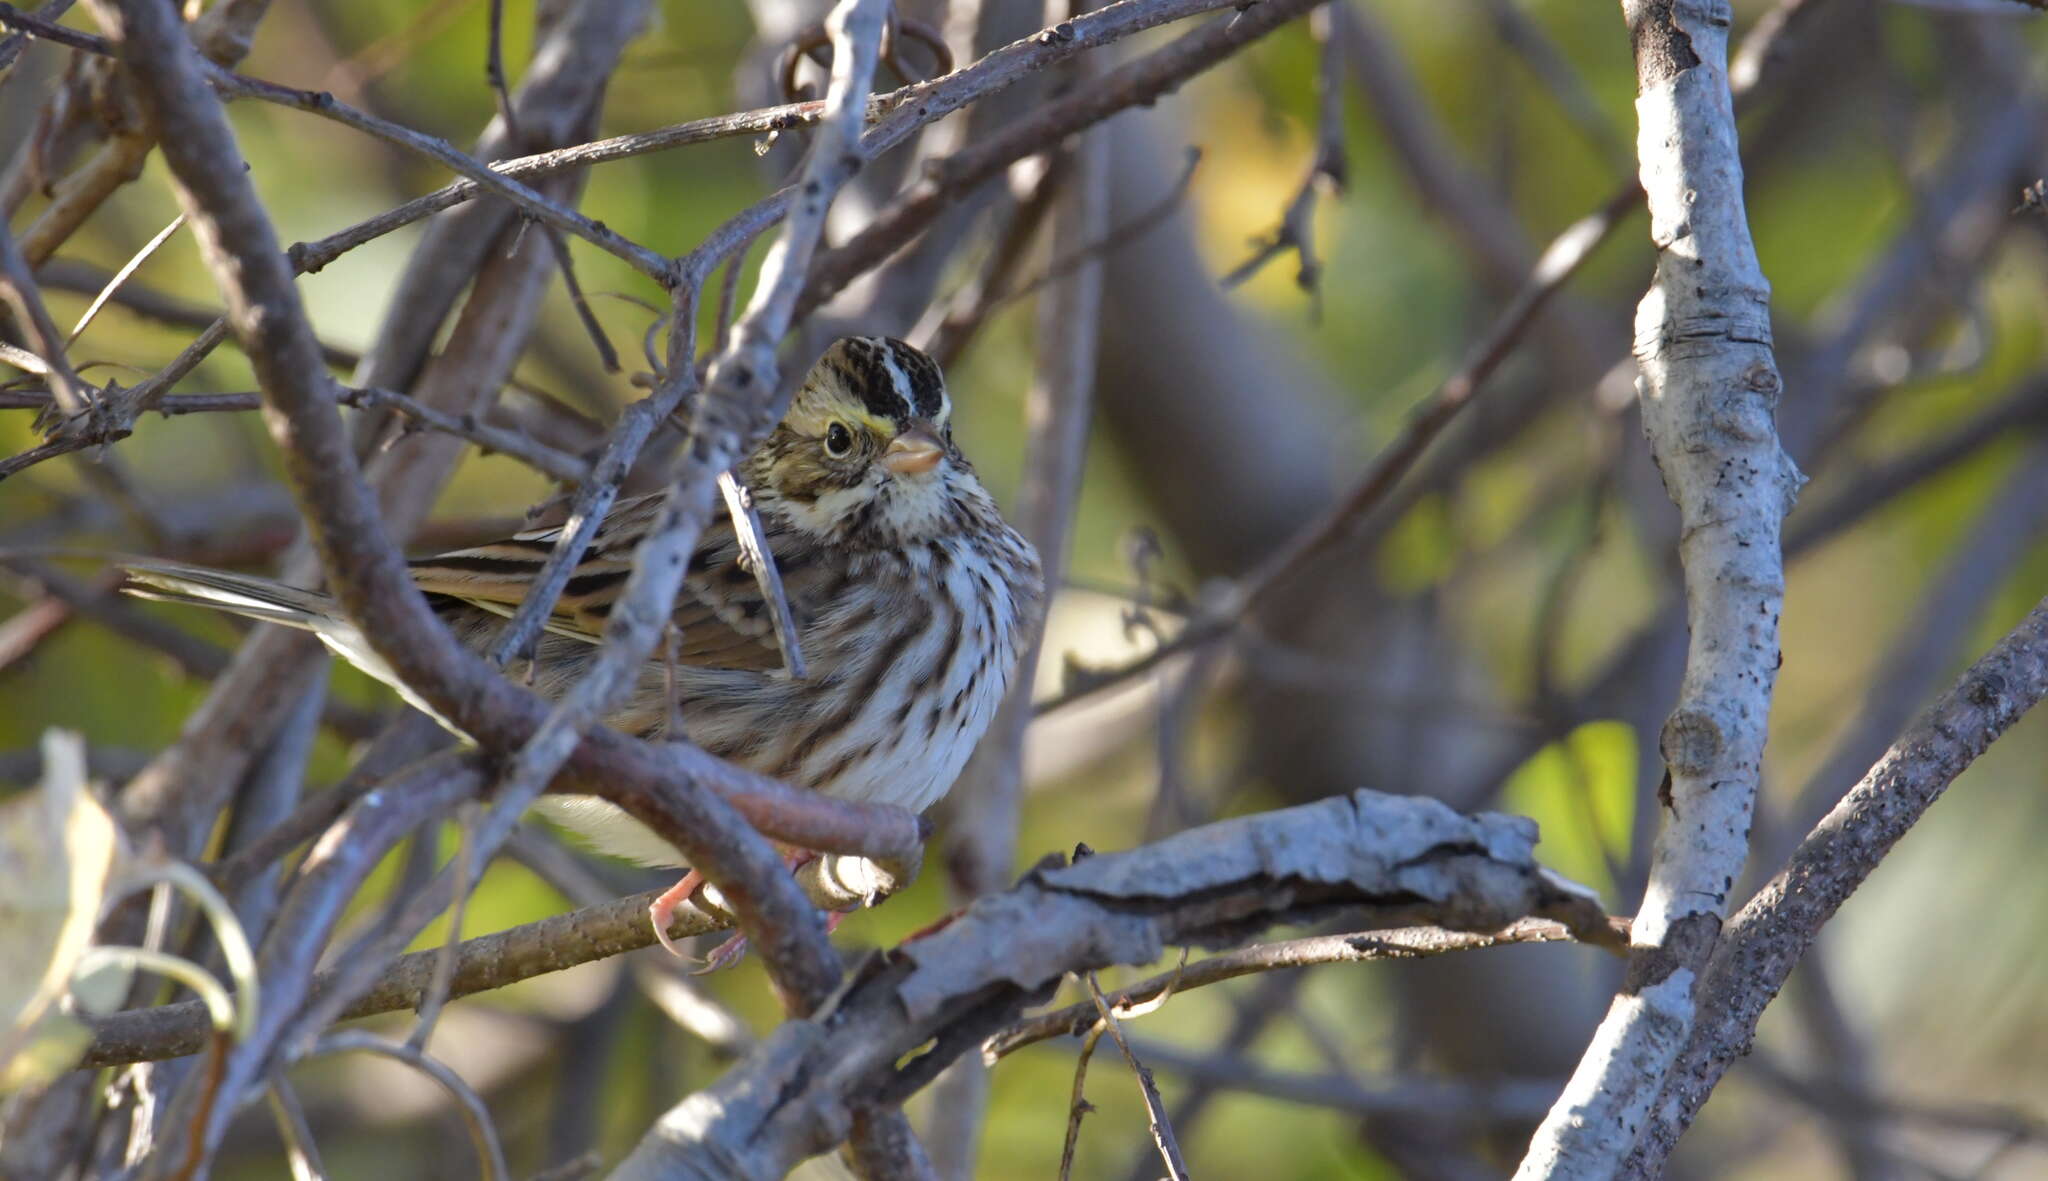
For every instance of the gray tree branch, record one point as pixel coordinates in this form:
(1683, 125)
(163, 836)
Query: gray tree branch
(1709, 391)
(1774, 929)
(1397, 860)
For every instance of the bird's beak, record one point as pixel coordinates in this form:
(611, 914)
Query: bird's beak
(914, 452)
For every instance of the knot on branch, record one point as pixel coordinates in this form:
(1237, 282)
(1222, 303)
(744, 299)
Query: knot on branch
(1690, 742)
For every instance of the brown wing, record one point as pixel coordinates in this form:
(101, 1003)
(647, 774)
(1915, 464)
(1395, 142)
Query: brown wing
(721, 618)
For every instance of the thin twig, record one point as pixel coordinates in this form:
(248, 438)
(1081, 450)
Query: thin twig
(300, 1152)
(389, 51)
(1102, 248)
(728, 294)
(945, 330)
(896, 116)
(549, 461)
(495, 182)
(599, 930)
(1058, 414)
(494, 70)
(607, 356)
(1402, 943)
(1328, 170)
(12, 44)
(1077, 1102)
(498, 183)
(1136, 83)
(899, 115)
(24, 631)
(475, 1115)
(43, 24)
(1508, 1103)
(1155, 1107)
(467, 872)
(1560, 261)
(70, 274)
(1527, 37)
(75, 399)
(559, 465)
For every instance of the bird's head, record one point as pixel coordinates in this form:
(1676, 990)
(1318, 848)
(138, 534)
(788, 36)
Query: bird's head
(866, 454)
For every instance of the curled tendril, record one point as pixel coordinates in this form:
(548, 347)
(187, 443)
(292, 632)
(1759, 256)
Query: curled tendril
(814, 43)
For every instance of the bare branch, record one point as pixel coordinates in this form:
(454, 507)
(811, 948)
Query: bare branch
(896, 116)
(1560, 261)
(1400, 944)
(12, 44)
(1136, 83)
(1155, 1107)
(369, 576)
(1058, 412)
(1327, 172)
(1503, 1102)
(1709, 392)
(1403, 859)
(475, 1115)
(740, 403)
(74, 398)
(233, 85)
(1773, 930)
(301, 1154)
(494, 69)
(1102, 248)
(1078, 1105)
(945, 331)
(901, 113)
(594, 932)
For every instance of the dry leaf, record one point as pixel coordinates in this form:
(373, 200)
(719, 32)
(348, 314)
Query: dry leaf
(58, 848)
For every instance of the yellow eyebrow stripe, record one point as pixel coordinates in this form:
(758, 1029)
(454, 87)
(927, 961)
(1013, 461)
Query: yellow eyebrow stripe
(814, 424)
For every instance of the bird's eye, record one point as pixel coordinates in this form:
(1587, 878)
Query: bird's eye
(838, 440)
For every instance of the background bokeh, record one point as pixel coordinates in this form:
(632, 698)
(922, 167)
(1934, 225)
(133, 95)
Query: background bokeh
(1502, 637)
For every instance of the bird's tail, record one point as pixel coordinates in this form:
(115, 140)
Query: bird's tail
(240, 594)
(268, 600)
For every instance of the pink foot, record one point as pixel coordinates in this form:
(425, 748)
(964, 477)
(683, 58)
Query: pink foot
(733, 950)
(663, 909)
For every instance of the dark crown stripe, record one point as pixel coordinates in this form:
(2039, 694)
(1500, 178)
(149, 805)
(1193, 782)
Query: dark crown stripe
(893, 380)
(863, 362)
(927, 392)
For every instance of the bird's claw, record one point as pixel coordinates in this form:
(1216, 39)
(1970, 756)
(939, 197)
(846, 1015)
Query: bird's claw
(662, 911)
(724, 956)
